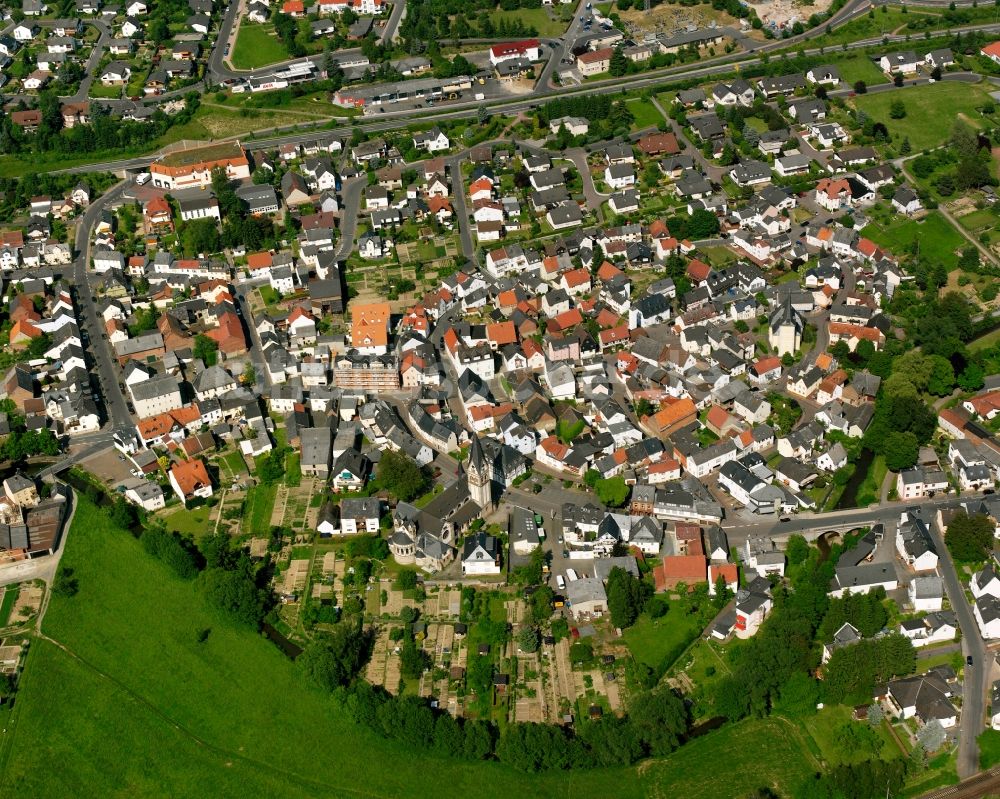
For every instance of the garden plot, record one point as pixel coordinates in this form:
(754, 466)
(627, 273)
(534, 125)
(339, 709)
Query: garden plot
(293, 580)
(529, 704)
(446, 603)
(383, 668)
(29, 600)
(329, 566)
(278, 509)
(394, 601)
(561, 677)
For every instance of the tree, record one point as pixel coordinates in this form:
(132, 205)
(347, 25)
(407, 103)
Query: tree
(612, 491)
(796, 550)
(627, 596)
(860, 87)
(876, 714)
(660, 720)
(206, 348)
(969, 538)
(65, 583)
(931, 736)
(618, 64)
(413, 660)
(234, 591)
(541, 603)
(528, 639)
(702, 225)
(401, 476)
(972, 377)
(798, 696)
(174, 551)
(333, 660)
(942, 378)
(200, 236)
(406, 580)
(852, 672)
(901, 450)
(897, 109)
(897, 79)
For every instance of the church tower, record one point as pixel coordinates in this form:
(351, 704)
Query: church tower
(480, 477)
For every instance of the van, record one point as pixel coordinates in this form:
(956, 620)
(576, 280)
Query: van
(560, 582)
(142, 178)
(571, 575)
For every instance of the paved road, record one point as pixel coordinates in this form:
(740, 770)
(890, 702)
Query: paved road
(351, 192)
(977, 675)
(105, 365)
(461, 206)
(256, 351)
(595, 198)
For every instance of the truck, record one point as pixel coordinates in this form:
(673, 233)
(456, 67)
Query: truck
(571, 575)
(141, 178)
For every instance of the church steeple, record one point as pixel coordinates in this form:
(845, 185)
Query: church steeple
(479, 476)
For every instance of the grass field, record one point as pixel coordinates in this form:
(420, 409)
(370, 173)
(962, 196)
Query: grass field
(98, 89)
(7, 604)
(866, 27)
(939, 241)
(645, 113)
(989, 748)
(259, 504)
(985, 342)
(257, 46)
(155, 713)
(734, 761)
(825, 728)
(926, 107)
(651, 641)
(538, 18)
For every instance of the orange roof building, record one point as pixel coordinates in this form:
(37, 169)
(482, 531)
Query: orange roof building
(190, 479)
(674, 413)
(370, 327)
(677, 569)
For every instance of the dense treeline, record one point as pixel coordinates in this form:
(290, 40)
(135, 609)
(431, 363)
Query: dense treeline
(865, 780)
(865, 611)
(16, 193)
(176, 552)
(854, 670)
(104, 133)
(782, 648)
(656, 725)
(590, 107)
(429, 21)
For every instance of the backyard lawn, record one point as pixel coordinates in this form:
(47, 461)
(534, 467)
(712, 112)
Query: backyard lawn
(827, 728)
(860, 68)
(938, 240)
(654, 641)
(190, 521)
(930, 110)
(156, 712)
